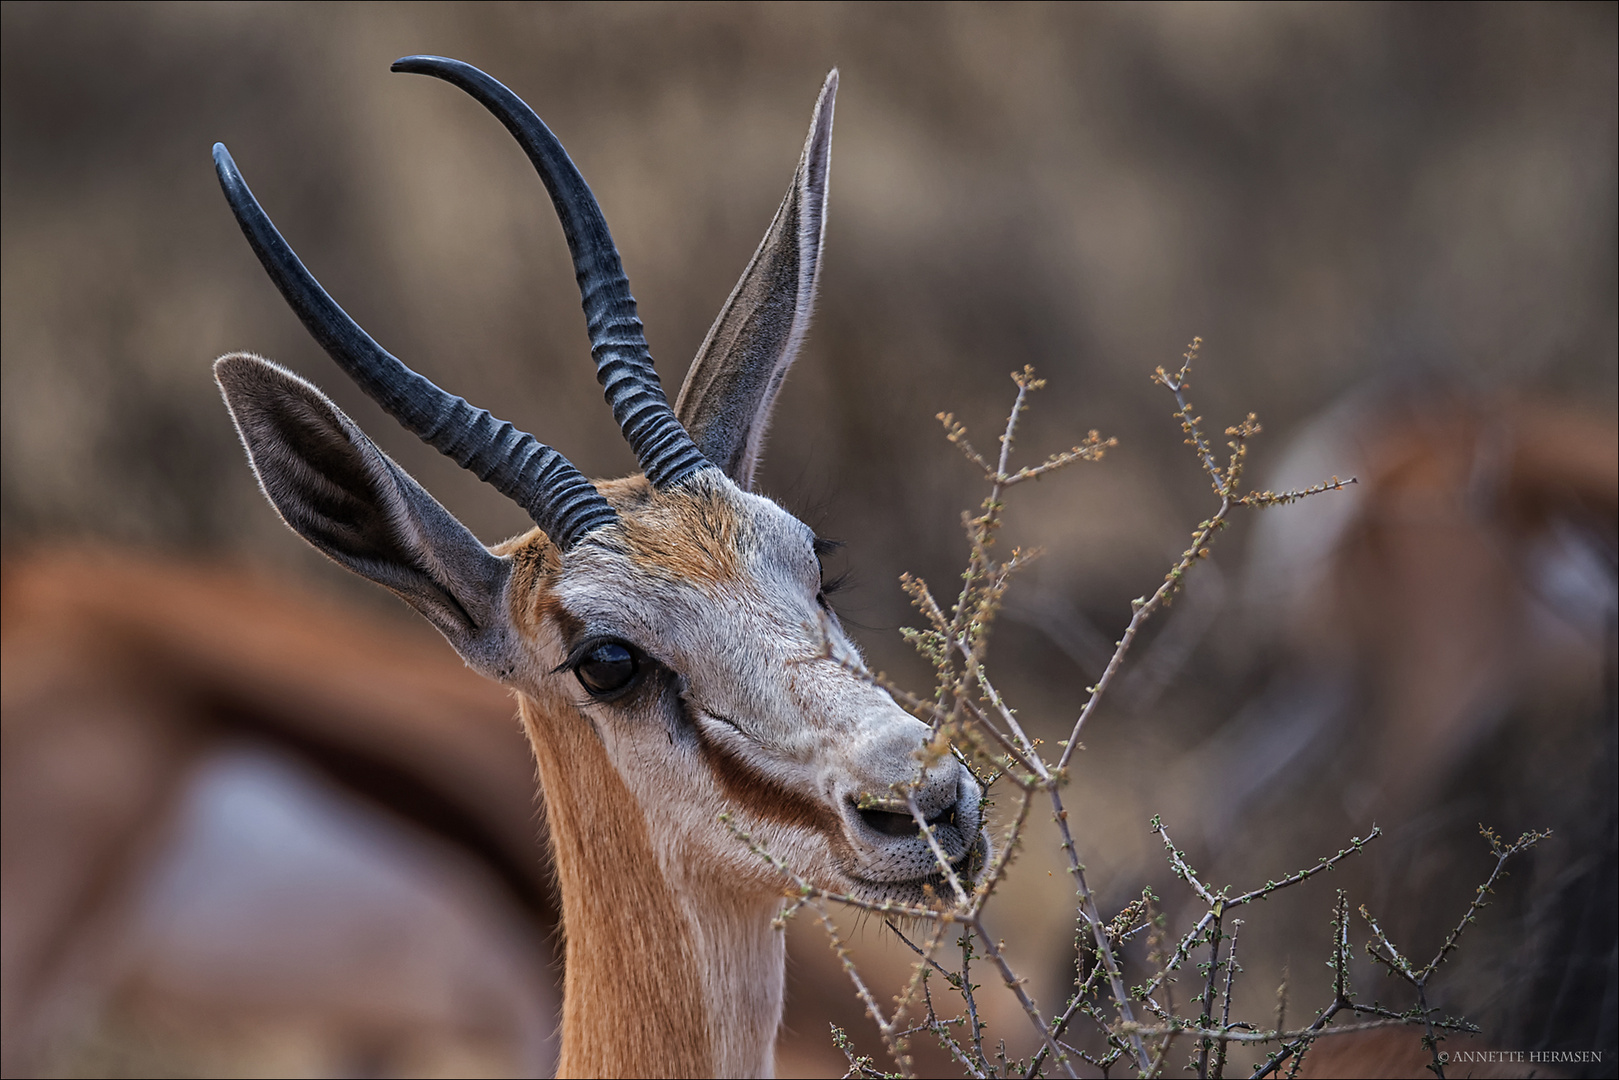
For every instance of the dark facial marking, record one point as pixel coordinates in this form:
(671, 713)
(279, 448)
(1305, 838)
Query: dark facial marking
(762, 796)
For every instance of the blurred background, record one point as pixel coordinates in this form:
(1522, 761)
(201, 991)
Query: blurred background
(258, 821)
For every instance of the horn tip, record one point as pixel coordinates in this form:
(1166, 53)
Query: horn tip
(225, 167)
(423, 64)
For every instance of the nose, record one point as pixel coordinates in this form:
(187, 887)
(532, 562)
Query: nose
(948, 795)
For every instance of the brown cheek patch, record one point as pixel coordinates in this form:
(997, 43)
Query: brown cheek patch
(745, 787)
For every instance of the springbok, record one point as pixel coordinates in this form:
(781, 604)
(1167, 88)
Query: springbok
(672, 650)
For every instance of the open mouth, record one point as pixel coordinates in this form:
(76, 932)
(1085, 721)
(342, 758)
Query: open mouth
(901, 823)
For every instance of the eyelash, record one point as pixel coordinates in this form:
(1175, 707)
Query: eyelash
(824, 547)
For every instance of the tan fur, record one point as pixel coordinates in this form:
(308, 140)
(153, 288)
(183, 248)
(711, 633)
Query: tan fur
(685, 538)
(632, 1003)
(534, 567)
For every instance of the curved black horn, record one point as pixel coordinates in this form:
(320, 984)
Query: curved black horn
(556, 495)
(623, 361)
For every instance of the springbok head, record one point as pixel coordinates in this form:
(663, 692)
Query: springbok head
(674, 654)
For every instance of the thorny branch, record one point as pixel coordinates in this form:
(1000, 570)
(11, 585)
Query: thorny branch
(972, 721)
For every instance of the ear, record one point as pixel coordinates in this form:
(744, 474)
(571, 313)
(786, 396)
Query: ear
(338, 491)
(732, 385)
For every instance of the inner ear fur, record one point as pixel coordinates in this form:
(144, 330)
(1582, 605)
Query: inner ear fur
(333, 487)
(726, 400)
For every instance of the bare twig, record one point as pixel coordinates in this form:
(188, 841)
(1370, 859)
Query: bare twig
(885, 1027)
(972, 721)
(1093, 918)
(1502, 852)
(1207, 1018)
(992, 949)
(945, 866)
(1231, 969)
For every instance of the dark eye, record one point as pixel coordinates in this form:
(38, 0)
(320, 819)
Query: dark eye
(608, 668)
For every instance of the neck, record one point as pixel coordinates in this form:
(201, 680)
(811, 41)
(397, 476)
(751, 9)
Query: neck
(668, 971)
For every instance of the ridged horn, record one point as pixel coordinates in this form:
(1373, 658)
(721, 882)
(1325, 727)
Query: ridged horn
(665, 451)
(539, 479)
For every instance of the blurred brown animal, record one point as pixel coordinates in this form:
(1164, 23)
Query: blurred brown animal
(1473, 565)
(1447, 659)
(124, 675)
(1395, 1052)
